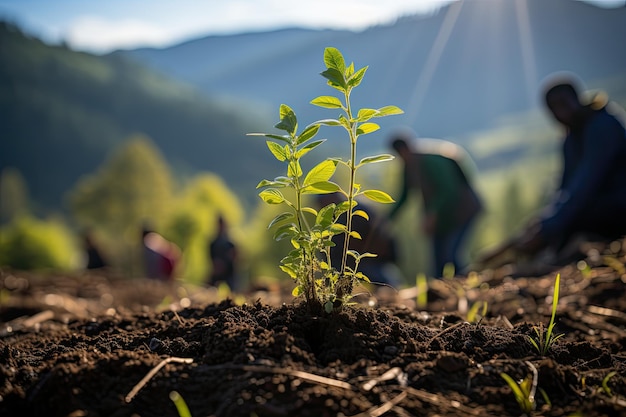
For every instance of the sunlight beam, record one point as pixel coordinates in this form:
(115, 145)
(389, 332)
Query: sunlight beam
(425, 77)
(528, 53)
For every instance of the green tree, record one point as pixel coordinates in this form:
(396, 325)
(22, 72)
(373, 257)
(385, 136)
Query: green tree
(132, 187)
(29, 243)
(14, 199)
(191, 223)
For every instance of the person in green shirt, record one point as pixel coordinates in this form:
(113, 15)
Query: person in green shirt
(449, 201)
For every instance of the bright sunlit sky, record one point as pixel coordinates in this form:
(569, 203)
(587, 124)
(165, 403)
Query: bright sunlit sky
(101, 26)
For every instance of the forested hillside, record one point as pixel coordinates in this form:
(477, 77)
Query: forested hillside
(62, 112)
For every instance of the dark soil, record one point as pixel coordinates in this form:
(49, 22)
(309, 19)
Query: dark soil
(78, 345)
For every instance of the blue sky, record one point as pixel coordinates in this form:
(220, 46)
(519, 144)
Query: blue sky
(101, 26)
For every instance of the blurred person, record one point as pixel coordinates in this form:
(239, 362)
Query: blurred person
(160, 256)
(94, 258)
(591, 198)
(450, 203)
(223, 255)
(375, 239)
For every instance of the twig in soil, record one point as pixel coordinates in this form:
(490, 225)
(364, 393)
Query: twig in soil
(129, 397)
(297, 374)
(442, 402)
(180, 320)
(448, 330)
(390, 374)
(38, 318)
(603, 311)
(380, 410)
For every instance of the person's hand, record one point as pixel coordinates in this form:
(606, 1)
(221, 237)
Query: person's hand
(531, 241)
(429, 223)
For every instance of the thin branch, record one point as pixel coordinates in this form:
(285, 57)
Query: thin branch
(379, 411)
(129, 397)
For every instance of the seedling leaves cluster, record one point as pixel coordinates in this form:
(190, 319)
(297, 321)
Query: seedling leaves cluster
(310, 230)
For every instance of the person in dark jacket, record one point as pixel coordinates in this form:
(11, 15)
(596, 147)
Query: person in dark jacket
(591, 198)
(94, 259)
(223, 255)
(450, 203)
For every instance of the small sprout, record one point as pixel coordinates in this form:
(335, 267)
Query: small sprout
(181, 405)
(605, 383)
(472, 314)
(524, 390)
(449, 271)
(584, 268)
(421, 284)
(545, 339)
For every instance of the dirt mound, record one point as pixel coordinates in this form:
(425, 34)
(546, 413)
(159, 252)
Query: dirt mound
(80, 345)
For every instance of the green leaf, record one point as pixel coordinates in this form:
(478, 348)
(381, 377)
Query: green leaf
(378, 196)
(366, 128)
(321, 187)
(356, 235)
(337, 228)
(329, 102)
(276, 150)
(345, 206)
(345, 122)
(308, 133)
(357, 77)
(320, 173)
(297, 291)
(290, 271)
(377, 158)
(349, 70)
(365, 114)
(334, 59)
(362, 277)
(329, 122)
(309, 147)
(325, 216)
(335, 78)
(278, 182)
(361, 213)
(288, 121)
(280, 218)
(294, 170)
(285, 231)
(309, 210)
(272, 136)
(272, 196)
(388, 111)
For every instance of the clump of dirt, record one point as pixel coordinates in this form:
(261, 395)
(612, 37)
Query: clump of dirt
(80, 345)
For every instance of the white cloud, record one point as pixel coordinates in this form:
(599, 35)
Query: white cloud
(186, 19)
(98, 34)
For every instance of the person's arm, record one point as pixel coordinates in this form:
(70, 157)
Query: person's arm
(601, 142)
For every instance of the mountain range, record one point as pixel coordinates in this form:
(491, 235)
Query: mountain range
(470, 67)
(453, 72)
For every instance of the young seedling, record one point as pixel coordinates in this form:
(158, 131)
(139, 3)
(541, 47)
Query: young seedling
(311, 231)
(545, 339)
(605, 383)
(473, 312)
(421, 285)
(181, 405)
(524, 391)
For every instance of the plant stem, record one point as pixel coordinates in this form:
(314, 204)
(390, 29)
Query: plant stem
(345, 284)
